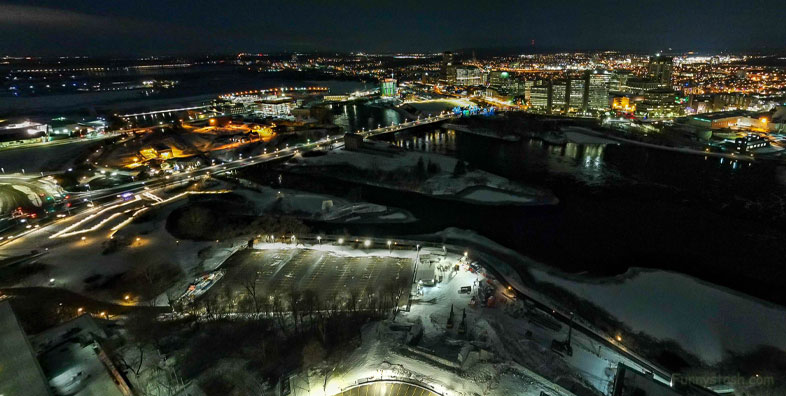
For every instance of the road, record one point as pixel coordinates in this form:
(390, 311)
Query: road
(107, 204)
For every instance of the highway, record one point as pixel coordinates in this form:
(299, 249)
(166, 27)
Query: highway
(175, 178)
(106, 200)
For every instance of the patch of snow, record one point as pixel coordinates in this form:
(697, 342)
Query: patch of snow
(704, 319)
(443, 183)
(494, 196)
(581, 135)
(394, 216)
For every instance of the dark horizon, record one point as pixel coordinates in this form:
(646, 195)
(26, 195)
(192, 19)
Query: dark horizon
(142, 28)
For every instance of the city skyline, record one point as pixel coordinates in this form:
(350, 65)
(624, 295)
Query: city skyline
(324, 198)
(151, 28)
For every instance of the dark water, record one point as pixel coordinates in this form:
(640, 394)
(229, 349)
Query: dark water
(354, 117)
(627, 206)
(196, 85)
(621, 207)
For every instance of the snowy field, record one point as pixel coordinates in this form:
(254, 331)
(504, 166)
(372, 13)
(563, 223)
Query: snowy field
(318, 206)
(487, 195)
(703, 318)
(441, 184)
(329, 275)
(495, 356)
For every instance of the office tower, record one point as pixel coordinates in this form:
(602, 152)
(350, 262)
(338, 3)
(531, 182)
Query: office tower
(540, 95)
(468, 76)
(598, 98)
(577, 94)
(660, 68)
(559, 95)
(499, 78)
(446, 65)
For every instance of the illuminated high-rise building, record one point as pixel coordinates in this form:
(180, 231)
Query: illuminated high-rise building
(468, 76)
(388, 87)
(559, 95)
(659, 69)
(540, 95)
(619, 80)
(446, 65)
(528, 90)
(577, 94)
(598, 90)
(499, 78)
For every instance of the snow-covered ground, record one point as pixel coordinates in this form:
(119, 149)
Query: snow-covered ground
(318, 206)
(488, 195)
(581, 135)
(494, 357)
(704, 319)
(73, 259)
(443, 183)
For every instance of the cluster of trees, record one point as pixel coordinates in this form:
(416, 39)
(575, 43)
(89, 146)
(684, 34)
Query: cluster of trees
(274, 332)
(425, 169)
(298, 311)
(199, 221)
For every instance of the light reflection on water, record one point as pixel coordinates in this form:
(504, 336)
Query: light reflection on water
(354, 117)
(582, 161)
(587, 164)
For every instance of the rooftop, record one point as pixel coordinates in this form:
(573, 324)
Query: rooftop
(20, 373)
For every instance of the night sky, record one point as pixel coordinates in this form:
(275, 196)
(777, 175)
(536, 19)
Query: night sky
(145, 27)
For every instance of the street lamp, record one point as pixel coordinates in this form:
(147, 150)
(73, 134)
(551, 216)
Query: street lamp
(415, 267)
(367, 243)
(319, 240)
(340, 241)
(390, 247)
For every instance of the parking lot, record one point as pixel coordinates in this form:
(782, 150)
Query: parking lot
(280, 271)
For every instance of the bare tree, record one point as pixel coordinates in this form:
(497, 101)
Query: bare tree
(250, 285)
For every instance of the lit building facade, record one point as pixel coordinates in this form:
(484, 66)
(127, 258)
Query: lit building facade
(559, 96)
(540, 95)
(577, 96)
(276, 106)
(660, 69)
(468, 76)
(598, 90)
(388, 87)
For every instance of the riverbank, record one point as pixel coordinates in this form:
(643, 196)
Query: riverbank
(425, 173)
(706, 320)
(683, 150)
